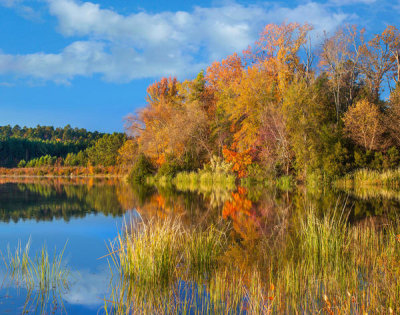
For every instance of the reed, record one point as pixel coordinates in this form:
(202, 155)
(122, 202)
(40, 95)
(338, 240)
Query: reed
(44, 278)
(323, 264)
(150, 253)
(204, 181)
(367, 177)
(17, 262)
(329, 266)
(154, 253)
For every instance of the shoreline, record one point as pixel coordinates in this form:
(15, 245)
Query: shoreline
(61, 176)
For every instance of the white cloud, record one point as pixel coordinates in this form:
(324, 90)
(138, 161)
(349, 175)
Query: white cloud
(89, 288)
(21, 8)
(126, 47)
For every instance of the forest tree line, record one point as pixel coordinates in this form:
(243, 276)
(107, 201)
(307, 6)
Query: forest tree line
(49, 146)
(283, 106)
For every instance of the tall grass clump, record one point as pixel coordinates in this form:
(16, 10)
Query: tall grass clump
(215, 175)
(150, 253)
(44, 278)
(324, 240)
(158, 257)
(40, 272)
(204, 248)
(158, 252)
(49, 273)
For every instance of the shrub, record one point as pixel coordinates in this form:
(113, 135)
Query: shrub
(22, 163)
(141, 170)
(169, 169)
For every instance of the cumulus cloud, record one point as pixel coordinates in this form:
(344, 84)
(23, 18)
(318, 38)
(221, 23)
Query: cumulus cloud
(126, 47)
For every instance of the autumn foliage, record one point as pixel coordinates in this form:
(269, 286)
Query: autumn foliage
(239, 160)
(282, 104)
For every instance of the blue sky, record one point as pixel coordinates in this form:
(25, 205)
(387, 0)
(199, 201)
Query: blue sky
(88, 63)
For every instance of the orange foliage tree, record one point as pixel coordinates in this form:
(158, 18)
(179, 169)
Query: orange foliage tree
(239, 160)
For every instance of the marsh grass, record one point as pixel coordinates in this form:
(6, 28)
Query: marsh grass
(332, 267)
(17, 262)
(204, 181)
(367, 177)
(321, 265)
(215, 187)
(157, 252)
(44, 278)
(151, 253)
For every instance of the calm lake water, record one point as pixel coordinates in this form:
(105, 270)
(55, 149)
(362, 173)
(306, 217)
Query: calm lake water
(85, 216)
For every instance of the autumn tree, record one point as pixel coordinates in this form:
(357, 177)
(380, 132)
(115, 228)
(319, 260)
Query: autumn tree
(377, 63)
(308, 112)
(281, 44)
(127, 153)
(152, 124)
(220, 78)
(255, 93)
(195, 122)
(175, 122)
(254, 96)
(364, 125)
(340, 58)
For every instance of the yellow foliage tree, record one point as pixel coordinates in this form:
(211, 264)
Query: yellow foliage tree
(364, 125)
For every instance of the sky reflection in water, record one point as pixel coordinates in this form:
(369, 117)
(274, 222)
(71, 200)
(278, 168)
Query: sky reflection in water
(90, 214)
(87, 227)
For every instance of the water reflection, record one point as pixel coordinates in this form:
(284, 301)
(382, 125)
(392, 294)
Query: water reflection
(90, 213)
(43, 201)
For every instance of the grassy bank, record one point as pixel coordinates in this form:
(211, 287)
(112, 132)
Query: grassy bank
(366, 177)
(202, 181)
(320, 265)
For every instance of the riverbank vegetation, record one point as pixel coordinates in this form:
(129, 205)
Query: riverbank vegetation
(281, 112)
(366, 177)
(323, 265)
(283, 107)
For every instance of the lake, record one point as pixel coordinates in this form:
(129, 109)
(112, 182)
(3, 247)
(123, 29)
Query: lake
(84, 216)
